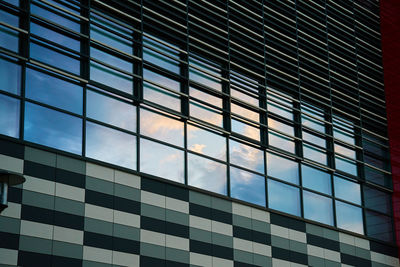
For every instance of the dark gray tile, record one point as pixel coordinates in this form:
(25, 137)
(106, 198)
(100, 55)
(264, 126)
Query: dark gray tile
(152, 211)
(153, 251)
(37, 199)
(9, 225)
(127, 192)
(177, 255)
(99, 185)
(69, 206)
(70, 164)
(127, 232)
(243, 256)
(40, 156)
(70, 250)
(199, 198)
(177, 217)
(98, 226)
(34, 244)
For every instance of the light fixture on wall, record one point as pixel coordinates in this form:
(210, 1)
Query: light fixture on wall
(7, 179)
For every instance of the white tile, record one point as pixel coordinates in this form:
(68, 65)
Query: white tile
(127, 179)
(331, 255)
(315, 251)
(70, 192)
(279, 231)
(97, 171)
(11, 164)
(97, 254)
(152, 237)
(8, 256)
(177, 205)
(218, 262)
(361, 243)
(345, 265)
(68, 235)
(200, 223)
(221, 228)
(280, 263)
(36, 229)
(125, 259)
(100, 213)
(241, 210)
(13, 210)
(297, 236)
(347, 239)
(126, 218)
(262, 249)
(152, 199)
(39, 185)
(378, 257)
(293, 264)
(177, 242)
(260, 215)
(242, 244)
(200, 260)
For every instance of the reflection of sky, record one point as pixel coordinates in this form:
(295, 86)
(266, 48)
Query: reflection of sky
(54, 58)
(162, 80)
(204, 79)
(161, 160)
(244, 97)
(205, 142)
(55, 18)
(111, 78)
(52, 128)
(347, 190)
(52, 91)
(313, 124)
(205, 113)
(283, 197)
(282, 168)
(110, 110)
(316, 179)
(343, 136)
(247, 186)
(281, 142)
(110, 145)
(318, 208)
(274, 124)
(160, 60)
(314, 139)
(345, 165)
(245, 129)
(64, 6)
(13, 2)
(8, 39)
(55, 37)
(207, 174)
(9, 116)
(349, 217)
(111, 60)
(208, 98)
(161, 127)
(314, 154)
(345, 151)
(9, 18)
(244, 112)
(246, 156)
(10, 76)
(162, 97)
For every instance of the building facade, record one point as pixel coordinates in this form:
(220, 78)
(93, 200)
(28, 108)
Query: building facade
(201, 133)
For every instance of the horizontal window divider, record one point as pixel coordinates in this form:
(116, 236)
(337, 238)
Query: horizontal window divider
(306, 92)
(380, 187)
(281, 54)
(116, 50)
(288, 136)
(109, 30)
(364, 9)
(313, 56)
(365, 96)
(172, 29)
(117, 11)
(161, 110)
(253, 92)
(208, 24)
(247, 50)
(191, 2)
(53, 108)
(314, 75)
(338, 22)
(162, 42)
(206, 156)
(247, 70)
(313, 38)
(2, 23)
(247, 105)
(231, 22)
(51, 45)
(210, 4)
(338, 6)
(370, 62)
(161, 142)
(204, 103)
(371, 79)
(5, 93)
(241, 17)
(284, 73)
(279, 33)
(277, 13)
(333, 36)
(276, 93)
(64, 10)
(208, 125)
(115, 68)
(209, 46)
(88, 119)
(283, 181)
(373, 114)
(183, 12)
(165, 88)
(346, 96)
(163, 17)
(106, 17)
(314, 163)
(318, 193)
(368, 31)
(378, 50)
(246, 120)
(220, 78)
(58, 71)
(12, 54)
(245, 169)
(245, 8)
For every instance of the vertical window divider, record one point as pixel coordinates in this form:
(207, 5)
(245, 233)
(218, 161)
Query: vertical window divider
(85, 67)
(185, 89)
(139, 89)
(226, 104)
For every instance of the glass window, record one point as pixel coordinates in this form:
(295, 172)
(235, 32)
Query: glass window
(205, 74)
(346, 165)
(161, 96)
(55, 37)
(318, 208)
(9, 39)
(161, 80)
(283, 197)
(349, 217)
(345, 151)
(9, 116)
(247, 186)
(13, 2)
(278, 106)
(109, 110)
(313, 139)
(246, 129)
(161, 127)
(282, 168)
(314, 154)
(379, 226)
(53, 15)
(377, 200)
(52, 128)
(205, 113)
(111, 77)
(110, 145)
(207, 174)
(9, 18)
(313, 123)
(53, 91)
(111, 59)
(281, 142)
(206, 142)
(316, 179)
(246, 156)
(282, 127)
(377, 177)
(169, 62)
(10, 76)
(161, 160)
(347, 190)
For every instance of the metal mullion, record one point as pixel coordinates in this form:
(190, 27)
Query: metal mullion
(115, 68)
(166, 88)
(59, 71)
(208, 24)
(99, 25)
(115, 51)
(161, 142)
(164, 54)
(161, 23)
(117, 11)
(108, 17)
(110, 126)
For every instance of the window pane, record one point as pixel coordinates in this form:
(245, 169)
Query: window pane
(161, 80)
(282, 168)
(318, 208)
(199, 75)
(110, 77)
(52, 16)
(52, 128)
(345, 151)
(377, 200)
(205, 142)
(346, 165)
(9, 39)
(110, 145)
(111, 111)
(377, 177)
(283, 197)
(160, 60)
(55, 37)
(53, 91)
(349, 217)
(161, 96)
(282, 127)
(160, 160)
(246, 156)
(247, 186)
(347, 190)
(205, 113)
(10, 76)
(314, 139)
(207, 174)
(314, 154)
(281, 142)
(245, 129)
(9, 116)
(379, 226)
(161, 127)
(111, 59)
(316, 179)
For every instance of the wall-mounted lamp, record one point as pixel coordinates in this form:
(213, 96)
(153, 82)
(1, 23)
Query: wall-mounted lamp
(7, 179)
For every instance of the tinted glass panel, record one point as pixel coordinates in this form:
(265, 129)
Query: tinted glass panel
(346, 165)
(10, 76)
(345, 151)
(53, 91)
(314, 154)
(377, 200)
(246, 156)
(161, 96)
(9, 116)
(161, 80)
(207, 174)
(247, 186)
(160, 160)
(347, 190)
(110, 145)
(379, 226)
(349, 217)
(52, 16)
(111, 59)
(282, 127)
(52, 128)
(316, 179)
(282, 168)
(111, 111)
(281, 142)
(206, 142)
(318, 208)
(55, 37)
(283, 197)
(8, 39)
(110, 77)
(314, 139)
(245, 129)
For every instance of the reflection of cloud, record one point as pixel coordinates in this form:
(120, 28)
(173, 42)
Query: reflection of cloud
(247, 186)
(252, 132)
(246, 156)
(197, 148)
(345, 151)
(170, 158)
(205, 142)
